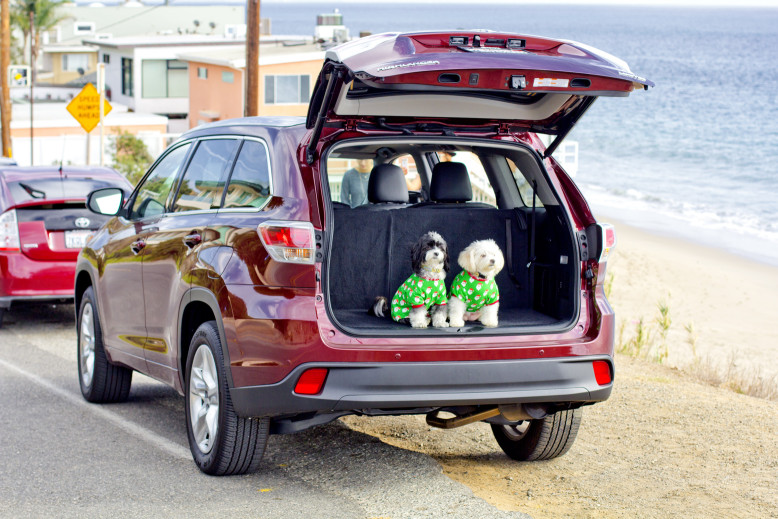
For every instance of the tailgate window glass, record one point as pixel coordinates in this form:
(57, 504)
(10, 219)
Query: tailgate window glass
(153, 192)
(54, 188)
(203, 183)
(482, 189)
(250, 180)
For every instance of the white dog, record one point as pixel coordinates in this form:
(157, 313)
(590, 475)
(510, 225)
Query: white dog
(474, 293)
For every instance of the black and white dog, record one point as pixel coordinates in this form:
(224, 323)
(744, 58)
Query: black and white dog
(422, 297)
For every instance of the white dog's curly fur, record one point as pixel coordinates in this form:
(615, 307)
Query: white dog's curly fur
(482, 260)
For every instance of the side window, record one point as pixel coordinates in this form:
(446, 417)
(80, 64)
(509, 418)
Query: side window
(203, 183)
(525, 188)
(154, 191)
(408, 165)
(482, 189)
(250, 180)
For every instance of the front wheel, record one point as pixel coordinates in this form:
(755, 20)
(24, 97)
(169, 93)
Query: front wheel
(100, 380)
(541, 439)
(221, 442)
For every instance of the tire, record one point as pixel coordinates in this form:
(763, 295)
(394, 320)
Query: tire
(542, 439)
(100, 381)
(221, 442)
(2, 313)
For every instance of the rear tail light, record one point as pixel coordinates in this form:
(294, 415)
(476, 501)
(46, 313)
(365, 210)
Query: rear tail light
(289, 242)
(311, 382)
(608, 240)
(602, 372)
(9, 232)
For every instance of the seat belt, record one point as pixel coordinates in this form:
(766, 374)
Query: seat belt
(532, 257)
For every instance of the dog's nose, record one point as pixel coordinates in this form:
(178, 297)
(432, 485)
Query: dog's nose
(491, 261)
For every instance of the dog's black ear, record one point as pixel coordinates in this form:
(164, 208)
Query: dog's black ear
(446, 266)
(416, 256)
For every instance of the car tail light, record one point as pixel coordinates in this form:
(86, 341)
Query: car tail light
(602, 372)
(290, 242)
(608, 240)
(9, 232)
(311, 382)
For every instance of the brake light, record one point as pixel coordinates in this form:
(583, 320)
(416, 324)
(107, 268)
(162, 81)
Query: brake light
(311, 382)
(9, 232)
(602, 372)
(289, 242)
(608, 240)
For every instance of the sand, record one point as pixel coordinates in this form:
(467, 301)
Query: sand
(729, 300)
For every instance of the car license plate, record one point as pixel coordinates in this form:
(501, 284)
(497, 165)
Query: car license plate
(77, 239)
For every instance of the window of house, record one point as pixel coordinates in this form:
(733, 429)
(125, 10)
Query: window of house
(164, 78)
(203, 183)
(153, 193)
(83, 27)
(106, 58)
(228, 77)
(202, 72)
(287, 89)
(250, 180)
(127, 79)
(73, 62)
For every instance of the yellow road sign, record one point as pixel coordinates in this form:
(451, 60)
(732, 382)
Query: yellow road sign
(85, 107)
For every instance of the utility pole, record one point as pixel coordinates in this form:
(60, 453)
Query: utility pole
(252, 58)
(32, 79)
(5, 62)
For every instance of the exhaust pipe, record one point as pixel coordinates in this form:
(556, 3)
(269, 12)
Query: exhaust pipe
(510, 412)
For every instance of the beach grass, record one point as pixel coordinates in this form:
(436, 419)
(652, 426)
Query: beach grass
(647, 340)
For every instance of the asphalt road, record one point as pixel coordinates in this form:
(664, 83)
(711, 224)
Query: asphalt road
(63, 457)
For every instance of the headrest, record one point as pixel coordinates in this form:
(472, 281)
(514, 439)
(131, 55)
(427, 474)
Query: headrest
(450, 183)
(387, 184)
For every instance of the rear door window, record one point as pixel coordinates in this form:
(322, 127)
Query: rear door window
(155, 189)
(203, 184)
(249, 184)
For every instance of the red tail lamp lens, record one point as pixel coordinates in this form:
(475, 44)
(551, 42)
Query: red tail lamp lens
(602, 372)
(311, 382)
(287, 237)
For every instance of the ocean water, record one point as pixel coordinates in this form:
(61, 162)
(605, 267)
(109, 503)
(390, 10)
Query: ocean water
(696, 156)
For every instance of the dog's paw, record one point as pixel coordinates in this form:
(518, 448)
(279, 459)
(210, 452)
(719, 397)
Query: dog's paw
(489, 323)
(440, 323)
(456, 322)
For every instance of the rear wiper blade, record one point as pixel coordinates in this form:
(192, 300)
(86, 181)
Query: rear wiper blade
(34, 193)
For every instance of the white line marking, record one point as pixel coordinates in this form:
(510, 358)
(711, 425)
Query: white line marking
(144, 434)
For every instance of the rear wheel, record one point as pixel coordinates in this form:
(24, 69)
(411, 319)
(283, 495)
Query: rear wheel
(541, 439)
(221, 442)
(100, 380)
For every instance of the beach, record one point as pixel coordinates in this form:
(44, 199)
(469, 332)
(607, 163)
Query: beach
(729, 300)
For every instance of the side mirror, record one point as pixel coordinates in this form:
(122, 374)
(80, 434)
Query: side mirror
(105, 201)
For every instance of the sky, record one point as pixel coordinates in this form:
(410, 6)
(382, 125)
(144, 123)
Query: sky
(334, 3)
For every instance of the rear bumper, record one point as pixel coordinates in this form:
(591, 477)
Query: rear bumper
(25, 279)
(363, 386)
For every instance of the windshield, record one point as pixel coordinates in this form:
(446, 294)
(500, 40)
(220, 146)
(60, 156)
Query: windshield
(55, 188)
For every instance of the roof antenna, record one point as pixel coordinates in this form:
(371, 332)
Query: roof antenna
(62, 157)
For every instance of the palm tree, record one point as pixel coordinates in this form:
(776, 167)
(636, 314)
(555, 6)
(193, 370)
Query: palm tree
(33, 17)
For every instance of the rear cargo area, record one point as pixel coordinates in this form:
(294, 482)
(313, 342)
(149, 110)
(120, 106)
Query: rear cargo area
(370, 255)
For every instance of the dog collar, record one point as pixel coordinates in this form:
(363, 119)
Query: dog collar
(476, 277)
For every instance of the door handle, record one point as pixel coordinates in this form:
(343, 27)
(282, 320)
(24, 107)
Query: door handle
(190, 240)
(137, 246)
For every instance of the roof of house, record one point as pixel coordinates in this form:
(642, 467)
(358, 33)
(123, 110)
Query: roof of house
(269, 54)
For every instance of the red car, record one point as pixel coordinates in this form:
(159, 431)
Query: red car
(43, 226)
(237, 274)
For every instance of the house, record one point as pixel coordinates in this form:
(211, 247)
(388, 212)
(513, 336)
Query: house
(63, 57)
(216, 78)
(146, 74)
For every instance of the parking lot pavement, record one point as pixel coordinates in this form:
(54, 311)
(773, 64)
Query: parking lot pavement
(65, 457)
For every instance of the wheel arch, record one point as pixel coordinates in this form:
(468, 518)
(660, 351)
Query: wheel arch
(200, 306)
(82, 282)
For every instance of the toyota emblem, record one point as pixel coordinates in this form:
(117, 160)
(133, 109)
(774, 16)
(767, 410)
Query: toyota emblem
(82, 222)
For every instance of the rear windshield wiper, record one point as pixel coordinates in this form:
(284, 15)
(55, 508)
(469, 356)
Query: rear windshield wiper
(34, 193)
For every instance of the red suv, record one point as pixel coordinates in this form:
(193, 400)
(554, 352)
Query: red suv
(43, 225)
(237, 273)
